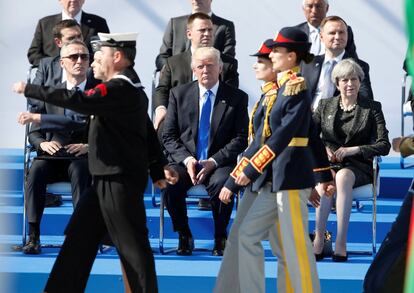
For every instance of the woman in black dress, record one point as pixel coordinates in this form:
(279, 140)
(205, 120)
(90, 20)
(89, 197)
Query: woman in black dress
(353, 131)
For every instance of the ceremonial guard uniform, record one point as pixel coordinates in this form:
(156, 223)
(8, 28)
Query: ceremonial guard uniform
(122, 145)
(280, 163)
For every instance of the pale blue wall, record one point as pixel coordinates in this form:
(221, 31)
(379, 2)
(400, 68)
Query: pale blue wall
(378, 27)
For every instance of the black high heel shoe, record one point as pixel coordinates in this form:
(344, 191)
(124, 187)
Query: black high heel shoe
(339, 258)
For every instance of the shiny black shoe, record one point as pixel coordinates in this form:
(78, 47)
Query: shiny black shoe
(185, 245)
(339, 258)
(204, 204)
(219, 245)
(33, 246)
(319, 256)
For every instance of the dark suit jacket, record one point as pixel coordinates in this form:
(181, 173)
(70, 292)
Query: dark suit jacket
(312, 72)
(350, 45)
(43, 44)
(368, 131)
(175, 38)
(121, 137)
(177, 71)
(228, 129)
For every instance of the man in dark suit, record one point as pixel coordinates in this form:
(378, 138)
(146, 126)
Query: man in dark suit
(61, 153)
(122, 146)
(175, 42)
(177, 69)
(318, 72)
(43, 45)
(205, 130)
(315, 11)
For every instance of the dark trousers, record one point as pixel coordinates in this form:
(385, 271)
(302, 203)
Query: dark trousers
(115, 205)
(175, 196)
(43, 172)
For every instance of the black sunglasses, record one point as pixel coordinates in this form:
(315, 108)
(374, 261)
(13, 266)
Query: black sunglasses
(75, 57)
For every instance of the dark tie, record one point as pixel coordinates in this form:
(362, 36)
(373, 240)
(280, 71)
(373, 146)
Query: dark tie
(204, 127)
(70, 113)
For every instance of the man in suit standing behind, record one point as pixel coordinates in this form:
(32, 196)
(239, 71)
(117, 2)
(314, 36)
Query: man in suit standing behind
(43, 44)
(175, 42)
(315, 11)
(205, 129)
(177, 69)
(334, 36)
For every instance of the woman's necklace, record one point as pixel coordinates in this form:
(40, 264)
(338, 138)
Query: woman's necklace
(346, 109)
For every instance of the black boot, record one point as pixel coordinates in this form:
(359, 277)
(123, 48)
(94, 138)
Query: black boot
(185, 244)
(219, 245)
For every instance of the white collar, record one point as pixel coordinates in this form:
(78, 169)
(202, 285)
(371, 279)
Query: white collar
(121, 76)
(203, 90)
(312, 28)
(337, 58)
(81, 86)
(77, 16)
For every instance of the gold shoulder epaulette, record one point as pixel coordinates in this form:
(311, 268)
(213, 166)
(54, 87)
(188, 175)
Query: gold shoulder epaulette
(295, 85)
(271, 92)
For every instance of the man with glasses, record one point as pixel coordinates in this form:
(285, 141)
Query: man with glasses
(315, 11)
(43, 44)
(61, 149)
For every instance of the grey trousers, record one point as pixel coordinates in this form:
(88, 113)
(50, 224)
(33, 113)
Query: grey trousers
(283, 218)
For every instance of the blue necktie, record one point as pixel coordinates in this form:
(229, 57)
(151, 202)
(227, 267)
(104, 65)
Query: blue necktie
(204, 127)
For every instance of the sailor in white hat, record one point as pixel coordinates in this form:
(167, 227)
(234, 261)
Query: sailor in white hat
(122, 144)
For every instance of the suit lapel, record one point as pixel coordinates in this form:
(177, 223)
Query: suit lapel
(312, 72)
(52, 109)
(220, 106)
(317, 71)
(85, 24)
(57, 71)
(192, 101)
(188, 74)
(361, 115)
(330, 114)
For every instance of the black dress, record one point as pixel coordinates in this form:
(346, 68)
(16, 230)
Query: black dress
(343, 125)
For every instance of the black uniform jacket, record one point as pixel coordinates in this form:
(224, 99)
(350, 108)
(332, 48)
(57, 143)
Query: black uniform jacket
(121, 136)
(291, 166)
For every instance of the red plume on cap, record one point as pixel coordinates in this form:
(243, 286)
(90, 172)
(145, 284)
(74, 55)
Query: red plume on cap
(292, 38)
(264, 51)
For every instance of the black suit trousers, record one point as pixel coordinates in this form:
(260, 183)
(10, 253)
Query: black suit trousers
(43, 172)
(115, 205)
(175, 196)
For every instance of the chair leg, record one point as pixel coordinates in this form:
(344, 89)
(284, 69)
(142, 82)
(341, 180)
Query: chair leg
(161, 237)
(374, 226)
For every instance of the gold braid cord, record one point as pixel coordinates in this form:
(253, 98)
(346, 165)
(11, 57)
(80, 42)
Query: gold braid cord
(251, 129)
(269, 90)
